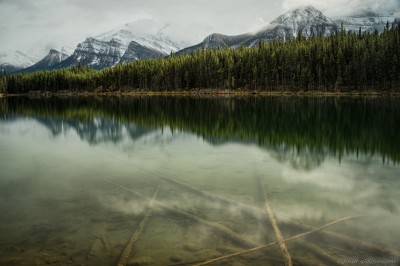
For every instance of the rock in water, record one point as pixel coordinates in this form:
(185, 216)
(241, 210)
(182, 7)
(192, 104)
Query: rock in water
(141, 261)
(191, 247)
(96, 249)
(175, 258)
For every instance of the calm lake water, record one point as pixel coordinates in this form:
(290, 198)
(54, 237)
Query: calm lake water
(78, 175)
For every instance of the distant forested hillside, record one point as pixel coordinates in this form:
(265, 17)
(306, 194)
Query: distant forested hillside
(343, 61)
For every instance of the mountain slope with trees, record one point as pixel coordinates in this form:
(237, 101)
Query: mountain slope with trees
(342, 61)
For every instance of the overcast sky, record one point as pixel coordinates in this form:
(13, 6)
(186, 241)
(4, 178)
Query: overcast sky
(35, 26)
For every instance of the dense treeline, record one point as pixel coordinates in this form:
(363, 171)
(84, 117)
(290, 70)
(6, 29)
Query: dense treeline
(2, 83)
(338, 126)
(342, 61)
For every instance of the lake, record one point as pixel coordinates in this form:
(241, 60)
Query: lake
(183, 180)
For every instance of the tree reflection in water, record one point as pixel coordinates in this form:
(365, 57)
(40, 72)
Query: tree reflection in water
(296, 129)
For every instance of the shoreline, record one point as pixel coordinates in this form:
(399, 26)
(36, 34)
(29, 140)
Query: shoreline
(206, 92)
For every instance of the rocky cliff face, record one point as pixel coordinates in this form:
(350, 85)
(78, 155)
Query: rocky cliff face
(96, 53)
(119, 46)
(135, 51)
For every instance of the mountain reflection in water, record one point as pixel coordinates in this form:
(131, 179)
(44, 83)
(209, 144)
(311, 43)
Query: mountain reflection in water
(291, 127)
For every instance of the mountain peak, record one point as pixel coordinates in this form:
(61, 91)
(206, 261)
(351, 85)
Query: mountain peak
(153, 39)
(127, 43)
(308, 8)
(50, 60)
(306, 20)
(302, 14)
(53, 51)
(214, 37)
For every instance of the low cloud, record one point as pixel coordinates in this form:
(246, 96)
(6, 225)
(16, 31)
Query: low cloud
(33, 26)
(344, 7)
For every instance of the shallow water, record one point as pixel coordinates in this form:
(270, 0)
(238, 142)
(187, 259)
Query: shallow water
(77, 175)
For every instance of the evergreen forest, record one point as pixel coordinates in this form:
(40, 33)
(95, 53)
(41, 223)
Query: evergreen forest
(343, 61)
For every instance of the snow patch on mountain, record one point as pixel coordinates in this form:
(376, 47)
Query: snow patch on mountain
(55, 57)
(125, 34)
(67, 50)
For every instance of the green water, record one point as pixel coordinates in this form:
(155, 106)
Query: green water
(77, 174)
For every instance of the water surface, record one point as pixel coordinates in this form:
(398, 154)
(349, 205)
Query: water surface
(77, 175)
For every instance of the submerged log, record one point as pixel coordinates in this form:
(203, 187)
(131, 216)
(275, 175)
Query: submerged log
(268, 209)
(320, 254)
(353, 242)
(248, 209)
(275, 243)
(136, 234)
(255, 211)
(216, 226)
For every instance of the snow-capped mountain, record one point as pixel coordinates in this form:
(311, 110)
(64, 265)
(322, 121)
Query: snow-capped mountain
(11, 61)
(306, 20)
(53, 58)
(119, 45)
(124, 35)
(130, 42)
(367, 21)
(94, 52)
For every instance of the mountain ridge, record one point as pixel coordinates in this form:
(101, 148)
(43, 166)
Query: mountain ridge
(307, 20)
(53, 58)
(126, 43)
(119, 45)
